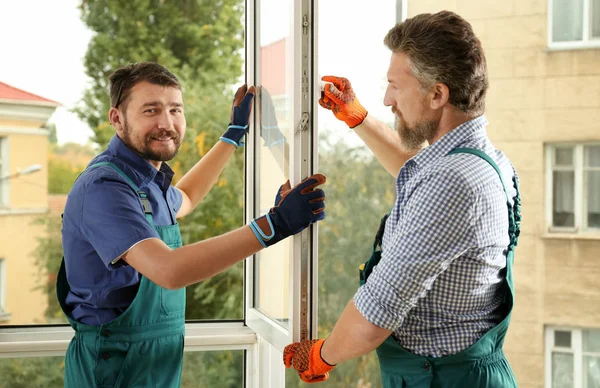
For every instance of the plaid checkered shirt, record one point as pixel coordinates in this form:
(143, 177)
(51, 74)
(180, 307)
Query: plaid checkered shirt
(439, 284)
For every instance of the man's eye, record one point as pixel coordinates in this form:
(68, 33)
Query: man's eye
(150, 111)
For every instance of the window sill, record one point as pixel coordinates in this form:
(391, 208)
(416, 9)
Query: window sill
(5, 317)
(571, 236)
(7, 211)
(564, 46)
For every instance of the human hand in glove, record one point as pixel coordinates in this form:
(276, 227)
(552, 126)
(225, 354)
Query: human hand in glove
(306, 358)
(339, 97)
(240, 116)
(295, 209)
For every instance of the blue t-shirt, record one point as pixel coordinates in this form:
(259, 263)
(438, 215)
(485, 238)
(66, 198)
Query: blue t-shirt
(103, 219)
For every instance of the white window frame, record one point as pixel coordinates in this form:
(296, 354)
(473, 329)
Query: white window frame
(587, 40)
(576, 350)
(580, 227)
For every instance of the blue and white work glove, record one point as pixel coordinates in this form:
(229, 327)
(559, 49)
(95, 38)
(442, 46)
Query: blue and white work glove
(240, 116)
(295, 209)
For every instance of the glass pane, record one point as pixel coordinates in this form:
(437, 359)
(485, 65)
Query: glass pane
(275, 115)
(359, 190)
(562, 339)
(567, 20)
(213, 369)
(591, 340)
(44, 372)
(592, 156)
(184, 37)
(563, 156)
(591, 372)
(562, 370)
(563, 183)
(593, 198)
(200, 370)
(595, 18)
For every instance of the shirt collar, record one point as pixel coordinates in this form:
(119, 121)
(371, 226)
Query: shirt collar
(459, 135)
(145, 171)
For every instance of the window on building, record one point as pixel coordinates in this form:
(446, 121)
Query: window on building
(573, 172)
(572, 358)
(2, 288)
(574, 23)
(3, 172)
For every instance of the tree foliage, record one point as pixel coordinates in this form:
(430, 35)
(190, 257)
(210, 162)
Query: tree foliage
(202, 37)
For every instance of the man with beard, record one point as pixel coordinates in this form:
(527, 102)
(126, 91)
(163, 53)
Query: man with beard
(436, 294)
(122, 281)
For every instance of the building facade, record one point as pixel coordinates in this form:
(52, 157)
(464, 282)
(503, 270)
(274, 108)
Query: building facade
(23, 198)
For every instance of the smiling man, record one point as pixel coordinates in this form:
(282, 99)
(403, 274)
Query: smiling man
(122, 281)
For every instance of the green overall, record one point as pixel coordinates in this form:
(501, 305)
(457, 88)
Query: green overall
(143, 347)
(481, 365)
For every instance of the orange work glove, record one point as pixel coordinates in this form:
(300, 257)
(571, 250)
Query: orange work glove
(306, 358)
(339, 97)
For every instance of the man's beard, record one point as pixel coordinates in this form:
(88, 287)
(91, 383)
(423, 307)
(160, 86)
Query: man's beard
(142, 146)
(413, 137)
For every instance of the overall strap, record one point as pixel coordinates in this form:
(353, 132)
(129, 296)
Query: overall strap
(514, 211)
(141, 194)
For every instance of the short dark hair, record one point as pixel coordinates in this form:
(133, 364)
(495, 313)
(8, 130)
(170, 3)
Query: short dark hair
(123, 79)
(442, 47)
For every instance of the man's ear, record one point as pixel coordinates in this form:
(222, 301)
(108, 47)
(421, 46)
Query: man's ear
(116, 119)
(440, 96)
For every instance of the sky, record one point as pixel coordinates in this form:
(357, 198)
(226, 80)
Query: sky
(42, 45)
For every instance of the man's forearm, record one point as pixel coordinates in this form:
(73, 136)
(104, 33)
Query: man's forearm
(177, 268)
(385, 144)
(353, 336)
(202, 177)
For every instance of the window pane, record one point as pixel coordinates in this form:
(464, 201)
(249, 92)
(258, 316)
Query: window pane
(359, 191)
(591, 372)
(592, 156)
(200, 370)
(184, 37)
(563, 183)
(593, 199)
(562, 370)
(562, 339)
(44, 372)
(563, 156)
(591, 340)
(567, 20)
(275, 114)
(213, 369)
(595, 18)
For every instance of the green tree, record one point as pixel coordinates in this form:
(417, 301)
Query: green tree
(203, 37)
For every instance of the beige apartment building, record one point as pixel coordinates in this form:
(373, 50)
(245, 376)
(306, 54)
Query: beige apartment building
(544, 111)
(23, 198)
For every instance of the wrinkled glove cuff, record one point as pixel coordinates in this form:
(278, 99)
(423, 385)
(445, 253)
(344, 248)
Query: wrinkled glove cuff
(259, 226)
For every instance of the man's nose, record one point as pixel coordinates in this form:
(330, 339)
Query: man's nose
(165, 121)
(387, 98)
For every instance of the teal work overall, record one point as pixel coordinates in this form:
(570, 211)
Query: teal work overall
(143, 347)
(481, 365)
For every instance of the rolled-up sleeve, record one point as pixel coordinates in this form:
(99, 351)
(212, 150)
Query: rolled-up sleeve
(435, 228)
(112, 219)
